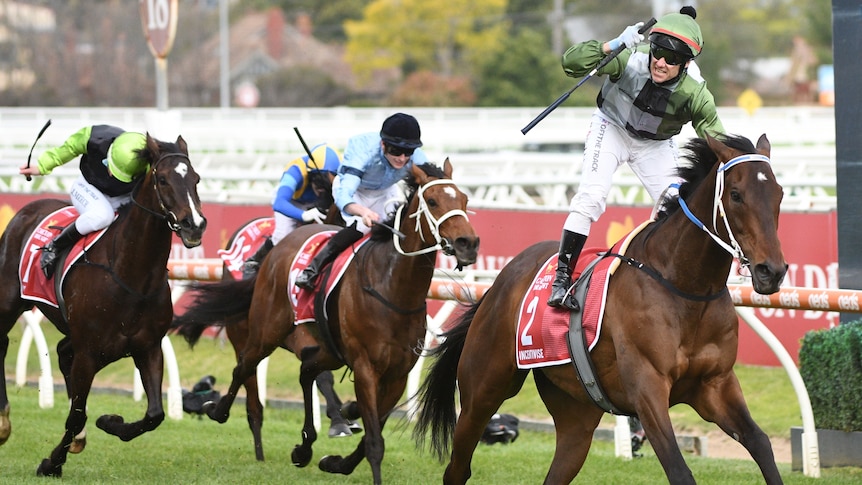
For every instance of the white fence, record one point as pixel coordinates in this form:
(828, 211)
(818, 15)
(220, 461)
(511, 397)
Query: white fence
(240, 153)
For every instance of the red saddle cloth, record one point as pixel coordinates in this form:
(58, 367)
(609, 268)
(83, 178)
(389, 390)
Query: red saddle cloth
(542, 330)
(34, 284)
(303, 300)
(246, 242)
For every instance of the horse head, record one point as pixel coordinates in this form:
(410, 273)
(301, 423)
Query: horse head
(440, 210)
(174, 183)
(748, 199)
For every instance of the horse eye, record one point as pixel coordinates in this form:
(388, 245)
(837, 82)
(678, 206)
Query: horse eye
(431, 203)
(735, 196)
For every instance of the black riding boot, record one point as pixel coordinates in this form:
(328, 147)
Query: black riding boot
(65, 239)
(571, 245)
(338, 243)
(252, 264)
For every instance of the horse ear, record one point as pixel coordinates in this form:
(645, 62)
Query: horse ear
(719, 148)
(181, 144)
(152, 144)
(763, 145)
(418, 174)
(447, 168)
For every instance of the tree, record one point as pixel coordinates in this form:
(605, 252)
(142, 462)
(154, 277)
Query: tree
(416, 34)
(524, 72)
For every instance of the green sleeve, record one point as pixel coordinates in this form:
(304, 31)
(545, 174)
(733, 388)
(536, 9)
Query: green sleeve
(74, 146)
(581, 58)
(704, 115)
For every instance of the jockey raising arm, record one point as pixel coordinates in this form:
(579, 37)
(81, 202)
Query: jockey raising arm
(648, 95)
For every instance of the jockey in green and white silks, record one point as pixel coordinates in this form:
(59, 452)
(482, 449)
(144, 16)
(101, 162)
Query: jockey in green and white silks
(110, 168)
(648, 95)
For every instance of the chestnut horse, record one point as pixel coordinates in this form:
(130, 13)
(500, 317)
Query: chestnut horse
(238, 335)
(376, 315)
(669, 332)
(117, 302)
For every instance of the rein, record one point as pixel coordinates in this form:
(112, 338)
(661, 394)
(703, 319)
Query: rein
(718, 208)
(664, 282)
(433, 223)
(167, 215)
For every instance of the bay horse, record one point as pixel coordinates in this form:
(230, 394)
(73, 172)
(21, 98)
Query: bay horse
(115, 300)
(376, 314)
(669, 332)
(238, 333)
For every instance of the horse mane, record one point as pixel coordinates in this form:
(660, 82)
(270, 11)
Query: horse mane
(698, 162)
(379, 233)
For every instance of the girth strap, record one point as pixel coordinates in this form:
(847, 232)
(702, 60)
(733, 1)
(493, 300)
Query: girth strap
(577, 343)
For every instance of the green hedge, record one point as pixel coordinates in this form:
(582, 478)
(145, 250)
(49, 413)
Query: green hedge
(830, 362)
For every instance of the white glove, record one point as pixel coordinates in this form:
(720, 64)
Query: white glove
(313, 215)
(630, 37)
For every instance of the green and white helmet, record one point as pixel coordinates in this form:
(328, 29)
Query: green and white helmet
(679, 32)
(123, 158)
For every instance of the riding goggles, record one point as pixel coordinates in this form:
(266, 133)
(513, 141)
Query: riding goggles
(398, 151)
(671, 58)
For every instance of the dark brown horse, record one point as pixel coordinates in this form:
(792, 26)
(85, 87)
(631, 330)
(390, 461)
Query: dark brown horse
(669, 333)
(117, 299)
(237, 334)
(376, 315)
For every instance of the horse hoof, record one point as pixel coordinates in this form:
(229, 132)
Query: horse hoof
(5, 425)
(332, 464)
(47, 470)
(78, 442)
(340, 430)
(210, 407)
(109, 422)
(301, 457)
(354, 427)
(350, 411)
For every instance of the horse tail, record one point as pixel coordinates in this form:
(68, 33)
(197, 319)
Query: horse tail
(219, 304)
(437, 392)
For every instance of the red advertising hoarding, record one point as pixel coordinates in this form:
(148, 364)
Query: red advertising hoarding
(809, 241)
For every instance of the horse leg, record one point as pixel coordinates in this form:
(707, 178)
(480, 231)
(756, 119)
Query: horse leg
(651, 406)
(238, 336)
(338, 426)
(246, 367)
(721, 401)
(483, 389)
(5, 424)
(574, 423)
(254, 413)
(82, 371)
(302, 453)
(150, 363)
(375, 401)
(65, 355)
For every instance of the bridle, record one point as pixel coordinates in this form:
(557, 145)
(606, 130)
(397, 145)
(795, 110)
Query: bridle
(167, 214)
(718, 208)
(433, 223)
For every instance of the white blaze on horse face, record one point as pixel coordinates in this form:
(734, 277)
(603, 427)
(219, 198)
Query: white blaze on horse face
(196, 216)
(182, 169)
(762, 177)
(450, 191)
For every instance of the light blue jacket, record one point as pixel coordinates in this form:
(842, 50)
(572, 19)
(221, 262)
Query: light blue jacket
(364, 167)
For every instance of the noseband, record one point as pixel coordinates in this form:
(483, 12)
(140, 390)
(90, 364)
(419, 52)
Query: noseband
(433, 223)
(167, 214)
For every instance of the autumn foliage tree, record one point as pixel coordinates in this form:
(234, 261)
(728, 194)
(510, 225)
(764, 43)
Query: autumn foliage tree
(416, 35)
